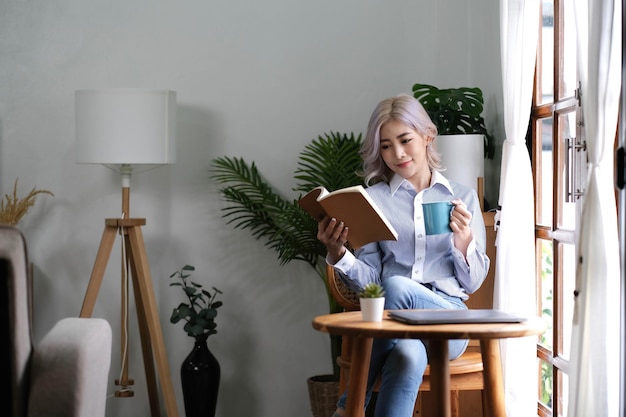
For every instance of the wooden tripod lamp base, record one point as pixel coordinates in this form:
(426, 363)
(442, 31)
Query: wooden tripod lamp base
(123, 393)
(121, 128)
(153, 347)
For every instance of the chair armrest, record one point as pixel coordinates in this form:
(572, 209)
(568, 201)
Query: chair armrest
(70, 369)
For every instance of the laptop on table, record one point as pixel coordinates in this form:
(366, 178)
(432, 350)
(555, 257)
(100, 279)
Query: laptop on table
(455, 316)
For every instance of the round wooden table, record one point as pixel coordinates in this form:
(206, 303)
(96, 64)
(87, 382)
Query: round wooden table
(351, 324)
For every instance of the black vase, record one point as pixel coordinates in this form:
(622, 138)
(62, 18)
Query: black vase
(200, 377)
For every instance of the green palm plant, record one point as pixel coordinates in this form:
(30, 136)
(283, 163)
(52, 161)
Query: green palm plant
(332, 160)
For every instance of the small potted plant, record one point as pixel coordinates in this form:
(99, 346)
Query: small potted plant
(200, 371)
(372, 300)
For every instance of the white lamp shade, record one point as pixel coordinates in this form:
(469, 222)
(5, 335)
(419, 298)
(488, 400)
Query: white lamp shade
(125, 126)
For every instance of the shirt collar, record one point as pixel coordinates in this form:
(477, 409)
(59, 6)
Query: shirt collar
(436, 178)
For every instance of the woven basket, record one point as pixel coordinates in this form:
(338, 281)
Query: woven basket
(323, 394)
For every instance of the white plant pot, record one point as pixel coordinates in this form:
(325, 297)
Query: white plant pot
(372, 308)
(463, 156)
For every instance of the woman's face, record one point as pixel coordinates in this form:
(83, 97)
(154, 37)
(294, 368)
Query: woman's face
(404, 150)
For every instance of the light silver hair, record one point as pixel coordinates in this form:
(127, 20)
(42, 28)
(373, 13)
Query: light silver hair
(409, 111)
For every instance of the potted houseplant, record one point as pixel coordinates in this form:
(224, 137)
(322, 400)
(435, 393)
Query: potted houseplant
(463, 140)
(456, 111)
(332, 160)
(200, 371)
(372, 300)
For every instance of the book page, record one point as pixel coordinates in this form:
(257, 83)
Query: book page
(354, 189)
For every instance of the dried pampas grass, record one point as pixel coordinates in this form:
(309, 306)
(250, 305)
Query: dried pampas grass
(12, 208)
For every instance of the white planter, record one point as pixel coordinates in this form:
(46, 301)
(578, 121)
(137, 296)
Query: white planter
(372, 308)
(463, 156)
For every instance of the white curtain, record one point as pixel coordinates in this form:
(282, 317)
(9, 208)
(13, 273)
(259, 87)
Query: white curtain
(515, 260)
(595, 354)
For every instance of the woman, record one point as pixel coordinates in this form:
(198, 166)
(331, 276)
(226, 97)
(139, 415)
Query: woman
(402, 170)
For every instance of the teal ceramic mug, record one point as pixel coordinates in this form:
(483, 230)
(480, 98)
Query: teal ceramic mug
(437, 217)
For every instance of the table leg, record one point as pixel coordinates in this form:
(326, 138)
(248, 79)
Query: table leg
(359, 369)
(438, 358)
(492, 374)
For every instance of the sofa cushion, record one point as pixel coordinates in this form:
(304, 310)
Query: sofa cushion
(70, 369)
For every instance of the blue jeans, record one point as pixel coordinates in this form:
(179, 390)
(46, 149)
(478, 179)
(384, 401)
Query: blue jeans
(401, 362)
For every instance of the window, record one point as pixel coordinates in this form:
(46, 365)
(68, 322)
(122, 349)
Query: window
(558, 159)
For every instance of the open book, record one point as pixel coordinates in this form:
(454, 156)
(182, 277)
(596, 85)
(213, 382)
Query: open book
(353, 206)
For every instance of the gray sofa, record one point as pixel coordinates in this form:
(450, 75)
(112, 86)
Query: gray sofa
(66, 374)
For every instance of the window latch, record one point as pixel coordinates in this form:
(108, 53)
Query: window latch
(575, 156)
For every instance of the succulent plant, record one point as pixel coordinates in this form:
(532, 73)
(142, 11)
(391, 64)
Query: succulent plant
(372, 290)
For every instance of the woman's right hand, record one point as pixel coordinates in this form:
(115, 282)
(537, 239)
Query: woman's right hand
(333, 235)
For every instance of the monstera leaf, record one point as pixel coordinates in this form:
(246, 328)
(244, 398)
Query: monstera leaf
(455, 111)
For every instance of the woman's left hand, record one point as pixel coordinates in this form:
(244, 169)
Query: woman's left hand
(460, 219)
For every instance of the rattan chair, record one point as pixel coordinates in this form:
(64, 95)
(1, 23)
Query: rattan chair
(466, 372)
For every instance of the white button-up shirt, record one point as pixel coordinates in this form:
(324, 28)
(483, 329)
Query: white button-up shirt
(427, 259)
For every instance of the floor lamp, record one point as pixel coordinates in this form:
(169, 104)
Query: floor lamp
(122, 129)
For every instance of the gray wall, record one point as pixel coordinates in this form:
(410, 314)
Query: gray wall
(254, 79)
